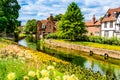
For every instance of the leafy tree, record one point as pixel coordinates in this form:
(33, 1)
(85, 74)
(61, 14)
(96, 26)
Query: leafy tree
(72, 22)
(30, 26)
(58, 17)
(9, 12)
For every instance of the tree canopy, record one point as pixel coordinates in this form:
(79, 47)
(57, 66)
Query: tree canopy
(72, 22)
(30, 26)
(58, 17)
(9, 12)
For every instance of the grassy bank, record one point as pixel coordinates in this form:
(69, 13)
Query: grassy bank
(28, 64)
(91, 44)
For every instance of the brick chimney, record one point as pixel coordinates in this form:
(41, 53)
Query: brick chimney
(51, 17)
(93, 19)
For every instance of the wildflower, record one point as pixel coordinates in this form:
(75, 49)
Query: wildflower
(11, 76)
(37, 74)
(50, 68)
(46, 78)
(73, 77)
(44, 73)
(31, 73)
(25, 78)
(65, 77)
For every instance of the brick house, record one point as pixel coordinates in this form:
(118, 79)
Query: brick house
(110, 26)
(93, 27)
(45, 27)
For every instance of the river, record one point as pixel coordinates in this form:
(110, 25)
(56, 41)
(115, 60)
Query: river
(84, 61)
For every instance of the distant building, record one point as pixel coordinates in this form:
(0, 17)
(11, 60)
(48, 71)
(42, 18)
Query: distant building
(110, 26)
(93, 27)
(21, 28)
(45, 27)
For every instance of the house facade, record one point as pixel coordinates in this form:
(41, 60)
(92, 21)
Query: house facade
(110, 26)
(93, 27)
(45, 27)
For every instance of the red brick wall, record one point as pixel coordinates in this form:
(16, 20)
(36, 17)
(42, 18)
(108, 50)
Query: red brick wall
(50, 27)
(93, 29)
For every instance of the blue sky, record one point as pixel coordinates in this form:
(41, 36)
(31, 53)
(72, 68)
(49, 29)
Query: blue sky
(41, 9)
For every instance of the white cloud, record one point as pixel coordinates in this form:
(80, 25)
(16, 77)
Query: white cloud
(41, 9)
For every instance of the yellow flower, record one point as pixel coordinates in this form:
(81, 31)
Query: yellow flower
(31, 73)
(73, 77)
(50, 68)
(26, 78)
(44, 73)
(11, 76)
(37, 74)
(46, 78)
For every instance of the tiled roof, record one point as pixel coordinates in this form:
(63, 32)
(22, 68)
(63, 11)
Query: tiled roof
(44, 21)
(92, 24)
(111, 16)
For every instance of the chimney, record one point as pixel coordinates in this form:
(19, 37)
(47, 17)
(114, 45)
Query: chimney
(51, 17)
(93, 19)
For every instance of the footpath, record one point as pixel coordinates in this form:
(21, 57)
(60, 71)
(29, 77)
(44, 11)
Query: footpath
(98, 51)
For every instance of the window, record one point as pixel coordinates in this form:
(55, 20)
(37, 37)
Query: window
(96, 33)
(119, 26)
(106, 34)
(105, 25)
(50, 26)
(97, 26)
(43, 26)
(111, 24)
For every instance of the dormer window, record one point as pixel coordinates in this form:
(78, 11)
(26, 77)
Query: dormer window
(43, 26)
(107, 14)
(116, 14)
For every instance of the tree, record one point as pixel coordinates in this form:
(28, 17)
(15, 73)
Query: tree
(58, 17)
(30, 26)
(9, 12)
(72, 22)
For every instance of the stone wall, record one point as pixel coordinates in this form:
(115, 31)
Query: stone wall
(99, 51)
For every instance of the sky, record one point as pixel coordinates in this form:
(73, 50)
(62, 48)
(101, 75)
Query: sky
(41, 9)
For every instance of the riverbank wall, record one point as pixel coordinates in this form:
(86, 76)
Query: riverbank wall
(98, 51)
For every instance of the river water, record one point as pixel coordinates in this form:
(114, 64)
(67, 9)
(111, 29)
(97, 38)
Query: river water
(84, 61)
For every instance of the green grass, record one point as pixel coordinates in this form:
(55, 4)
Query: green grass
(91, 44)
(13, 65)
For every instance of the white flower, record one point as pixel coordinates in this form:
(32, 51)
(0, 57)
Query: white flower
(65, 77)
(44, 73)
(11, 76)
(50, 68)
(31, 73)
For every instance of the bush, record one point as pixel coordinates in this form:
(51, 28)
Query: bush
(101, 40)
(58, 35)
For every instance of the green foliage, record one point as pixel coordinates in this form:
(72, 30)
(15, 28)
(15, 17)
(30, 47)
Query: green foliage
(58, 17)
(71, 23)
(9, 12)
(30, 26)
(57, 35)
